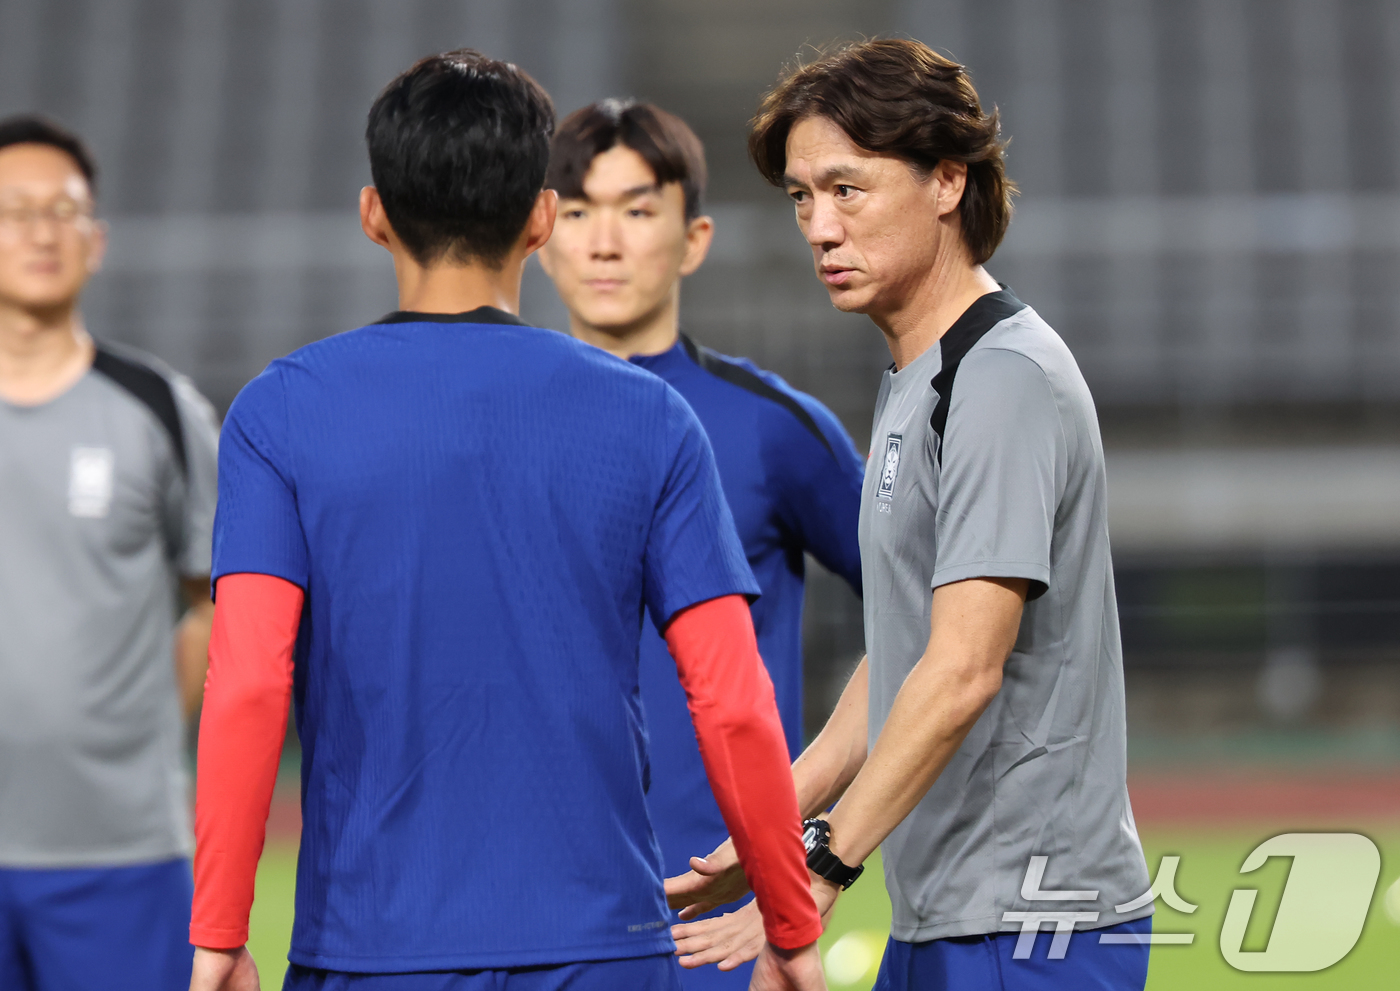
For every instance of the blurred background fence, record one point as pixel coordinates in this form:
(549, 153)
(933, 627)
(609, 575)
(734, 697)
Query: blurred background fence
(1210, 217)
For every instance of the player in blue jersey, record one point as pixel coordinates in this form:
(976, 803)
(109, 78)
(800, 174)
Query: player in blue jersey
(438, 535)
(631, 178)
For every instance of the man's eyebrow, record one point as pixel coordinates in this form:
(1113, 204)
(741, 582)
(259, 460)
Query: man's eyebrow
(827, 176)
(626, 194)
(833, 172)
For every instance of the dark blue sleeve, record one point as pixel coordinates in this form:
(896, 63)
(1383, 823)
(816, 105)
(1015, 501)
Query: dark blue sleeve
(693, 552)
(257, 529)
(819, 486)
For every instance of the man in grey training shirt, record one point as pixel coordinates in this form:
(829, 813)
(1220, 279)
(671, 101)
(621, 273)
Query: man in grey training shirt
(107, 488)
(982, 742)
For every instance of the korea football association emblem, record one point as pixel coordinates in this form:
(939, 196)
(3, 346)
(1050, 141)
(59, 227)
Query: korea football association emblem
(890, 471)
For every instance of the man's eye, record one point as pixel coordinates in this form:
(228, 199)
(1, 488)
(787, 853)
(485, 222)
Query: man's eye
(844, 190)
(639, 212)
(797, 195)
(573, 214)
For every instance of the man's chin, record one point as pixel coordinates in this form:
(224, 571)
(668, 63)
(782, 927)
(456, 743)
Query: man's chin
(612, 319)
(849, 300)
(40, 299)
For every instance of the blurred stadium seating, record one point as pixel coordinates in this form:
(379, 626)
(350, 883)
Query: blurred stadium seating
(1211, 219)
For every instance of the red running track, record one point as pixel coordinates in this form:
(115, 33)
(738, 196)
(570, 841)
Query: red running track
(1207, 797)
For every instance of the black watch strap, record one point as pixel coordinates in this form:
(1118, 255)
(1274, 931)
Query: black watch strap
(816, 837)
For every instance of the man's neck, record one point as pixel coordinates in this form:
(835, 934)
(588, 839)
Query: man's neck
(925, 315)
(655, 333)
(41, 354)
(447, 288)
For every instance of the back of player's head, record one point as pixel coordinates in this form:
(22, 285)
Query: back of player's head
(663, 140)
(897, 97)
(458, 147)
(25, 129)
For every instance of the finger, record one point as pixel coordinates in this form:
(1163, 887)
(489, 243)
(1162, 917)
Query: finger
(698, 952)
(710, 954)
(746, 947)
(738, 959)
(684, 889)
(696, 909)
(697, 930)
(704, 868)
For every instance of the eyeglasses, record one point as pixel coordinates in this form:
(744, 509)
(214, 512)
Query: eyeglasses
(62, 213)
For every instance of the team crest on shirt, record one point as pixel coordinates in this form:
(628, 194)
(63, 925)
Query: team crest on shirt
(90, 481)
(890, 470)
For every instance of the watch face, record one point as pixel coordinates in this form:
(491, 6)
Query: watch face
(809, 838)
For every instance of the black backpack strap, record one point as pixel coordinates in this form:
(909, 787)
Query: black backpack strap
(151, 389)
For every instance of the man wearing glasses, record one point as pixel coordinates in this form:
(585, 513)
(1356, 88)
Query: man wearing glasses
(107, 488)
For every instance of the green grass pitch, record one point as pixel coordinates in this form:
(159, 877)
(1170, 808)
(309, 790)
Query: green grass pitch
(1208, 872)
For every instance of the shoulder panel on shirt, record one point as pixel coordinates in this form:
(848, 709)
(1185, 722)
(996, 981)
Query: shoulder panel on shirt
(736, 374)
(985, 313)
(136, 374)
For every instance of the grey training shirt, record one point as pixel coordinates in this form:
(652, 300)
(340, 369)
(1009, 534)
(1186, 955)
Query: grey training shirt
(986, 461)
(106, 498)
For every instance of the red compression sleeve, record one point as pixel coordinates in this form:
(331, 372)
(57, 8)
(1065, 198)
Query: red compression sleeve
(741, 741)
(246, 695)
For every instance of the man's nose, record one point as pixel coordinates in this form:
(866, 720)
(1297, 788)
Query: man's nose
(824, 226)
(44, 227)
(606, 241)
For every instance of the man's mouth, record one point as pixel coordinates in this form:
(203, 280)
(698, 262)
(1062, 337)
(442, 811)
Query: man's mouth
(605, 285)
(836, 275)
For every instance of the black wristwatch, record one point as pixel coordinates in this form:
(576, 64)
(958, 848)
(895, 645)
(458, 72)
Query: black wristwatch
(816, 837)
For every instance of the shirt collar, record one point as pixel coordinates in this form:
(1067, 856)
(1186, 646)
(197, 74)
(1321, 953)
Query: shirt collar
(674, 359)
(482, 314)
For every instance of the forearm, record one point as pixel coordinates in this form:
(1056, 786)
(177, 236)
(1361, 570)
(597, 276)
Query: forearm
(931, 716)
(240, 741)
(826, 768)
(973, 629)
(745, 755)
(192, 654)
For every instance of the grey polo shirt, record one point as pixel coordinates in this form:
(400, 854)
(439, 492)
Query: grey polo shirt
(106, 499)
(986, 461)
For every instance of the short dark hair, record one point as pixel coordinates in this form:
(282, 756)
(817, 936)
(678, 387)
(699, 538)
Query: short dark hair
(31, 129)
(897, 97)
(665, 142)
(458, 147)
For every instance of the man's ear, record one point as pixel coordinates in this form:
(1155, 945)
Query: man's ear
(541, 223)
(97, 247)
(950, 180)
(373, 220)
(699, 234)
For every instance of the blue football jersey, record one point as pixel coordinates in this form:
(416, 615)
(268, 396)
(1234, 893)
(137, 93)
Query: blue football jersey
(482, 515)
(792, 479)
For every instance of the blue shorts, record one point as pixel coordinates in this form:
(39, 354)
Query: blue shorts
(115, 928)
(711, 978)
(987, 963)
(656, 973)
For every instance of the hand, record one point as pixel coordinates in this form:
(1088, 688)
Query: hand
(737, 937)
(224, 970)
(788, 970)
(732, 939)
(712, 881)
